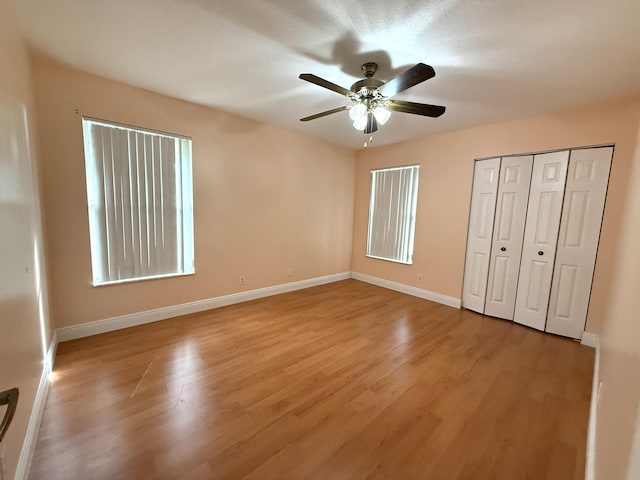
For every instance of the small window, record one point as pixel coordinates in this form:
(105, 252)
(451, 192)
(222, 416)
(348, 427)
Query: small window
(392, 213)
(139, 195)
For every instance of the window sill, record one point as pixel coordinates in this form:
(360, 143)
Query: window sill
(390, 260)
(142, 279)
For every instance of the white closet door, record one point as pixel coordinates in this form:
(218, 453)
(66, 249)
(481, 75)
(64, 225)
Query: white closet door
(508, 229)
(540, 238)
(587, 180)
(483, 203)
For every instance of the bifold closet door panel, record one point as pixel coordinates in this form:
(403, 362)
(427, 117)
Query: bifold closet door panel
(483, 204)
(540, 238)
(584, 197)
(508, 230)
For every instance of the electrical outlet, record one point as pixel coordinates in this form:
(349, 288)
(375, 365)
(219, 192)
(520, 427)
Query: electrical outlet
(243, 280)
(420, 277)
(290, 271)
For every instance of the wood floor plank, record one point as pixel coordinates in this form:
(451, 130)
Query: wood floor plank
(346, 380)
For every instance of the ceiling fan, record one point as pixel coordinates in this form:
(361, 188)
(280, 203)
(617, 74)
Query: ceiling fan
(372, 104)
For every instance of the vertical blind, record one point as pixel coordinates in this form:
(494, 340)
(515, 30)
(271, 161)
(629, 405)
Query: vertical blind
(139, 191)
(392, 213)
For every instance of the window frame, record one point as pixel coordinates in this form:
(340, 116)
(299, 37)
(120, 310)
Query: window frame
(183, 191)
(412, 210)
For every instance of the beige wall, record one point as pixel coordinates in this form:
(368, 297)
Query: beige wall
(446, 170)
(265, 199)
(268, 199)
(23, 296)
(619, 405)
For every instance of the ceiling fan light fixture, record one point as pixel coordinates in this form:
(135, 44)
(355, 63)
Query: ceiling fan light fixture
(358, 111)
(382, 114)
(361, 122)
(371, 98)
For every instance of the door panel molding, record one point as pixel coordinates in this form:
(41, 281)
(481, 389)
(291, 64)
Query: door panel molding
(511, 210)
(540, 238)
(580, 225)
(486, 174)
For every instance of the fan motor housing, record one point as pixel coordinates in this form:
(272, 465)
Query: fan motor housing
(368, 84)
(367, 88)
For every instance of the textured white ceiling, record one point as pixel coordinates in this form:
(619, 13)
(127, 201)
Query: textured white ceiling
(494, 59)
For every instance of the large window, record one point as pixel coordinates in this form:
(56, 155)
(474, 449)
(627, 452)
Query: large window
(139, 192)
(392, 213)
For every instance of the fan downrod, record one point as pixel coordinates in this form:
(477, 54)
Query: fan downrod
(369, 69)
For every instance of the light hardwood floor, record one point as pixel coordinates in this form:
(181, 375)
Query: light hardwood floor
(341, 381)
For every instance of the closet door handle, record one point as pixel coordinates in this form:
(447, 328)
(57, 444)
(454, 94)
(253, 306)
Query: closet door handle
(540, 252)
(503, 249)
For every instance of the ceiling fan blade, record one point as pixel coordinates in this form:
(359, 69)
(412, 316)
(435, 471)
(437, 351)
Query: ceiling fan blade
(372, 123)
(323, 114)
(413, 76)
(310, 77)
(416, 108)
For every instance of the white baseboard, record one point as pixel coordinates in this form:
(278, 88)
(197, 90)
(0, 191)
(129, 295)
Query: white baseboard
(139, 318)
(408, 289)
(589, 339)
(33, 427)
(590, 463)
